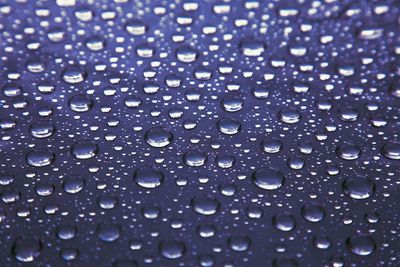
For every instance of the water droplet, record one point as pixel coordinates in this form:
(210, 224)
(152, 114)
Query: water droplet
(73, 184)
(205, 205)
(80, 103)
(358, 187)
(187, 54)
(42, 129)
(289, 116)
(172, 249)
(194, 158)
(229, 126)
(284, 222)
(84, 149)
(268, 179)
(239, 243)
(148, 177)
(251, 47)
(26, 248)
(313, 212)
(40, 157)
(158, 137)
(361, 245)
(108, 232)
(391, 151)
(348, 152)
(73, 75)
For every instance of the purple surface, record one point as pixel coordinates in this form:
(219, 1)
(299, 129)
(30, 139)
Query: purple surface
(199, 133)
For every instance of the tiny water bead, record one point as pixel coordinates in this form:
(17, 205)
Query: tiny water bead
(148, 177)
(268, 178)
(158, 137)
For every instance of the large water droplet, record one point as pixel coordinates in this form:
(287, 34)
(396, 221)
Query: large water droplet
(42, 129)
(40, 157)
(172, 249)
(148, 177)
(26, 248)
(358, 187)
(205, 205)
(158, 137)
(73, 75)
(84, 150)
(348, 151)
(361, 245)
(391, 151)
(268, 179)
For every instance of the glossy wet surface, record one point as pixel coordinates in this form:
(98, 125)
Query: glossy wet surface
(199, 133)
